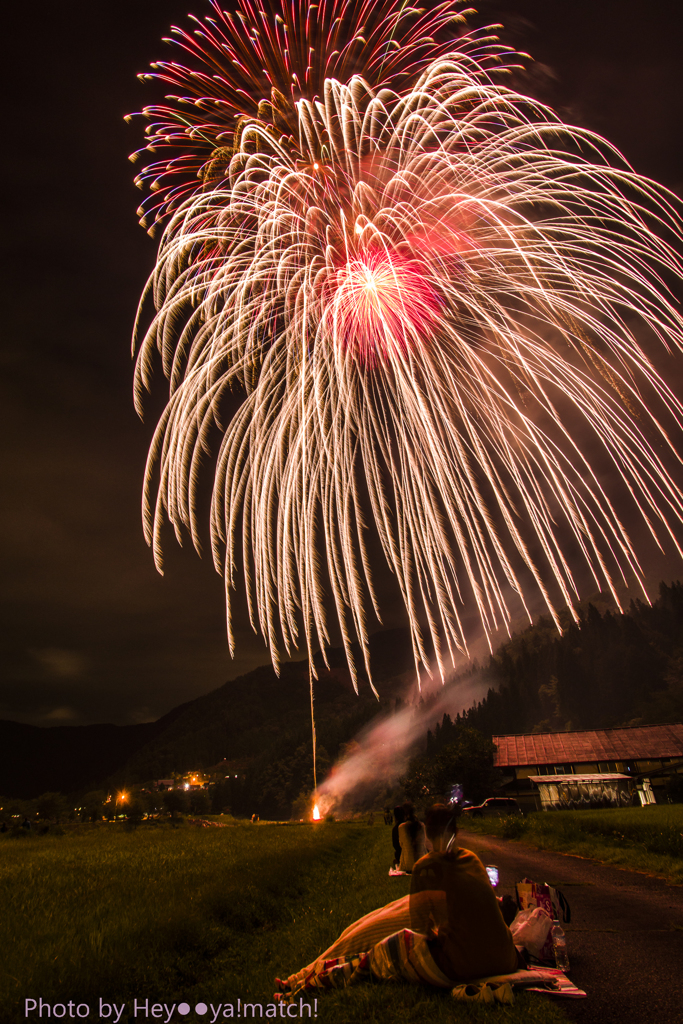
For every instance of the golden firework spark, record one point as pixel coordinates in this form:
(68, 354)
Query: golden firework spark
(441, 305)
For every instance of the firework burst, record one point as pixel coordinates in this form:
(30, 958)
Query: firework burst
(439, 304)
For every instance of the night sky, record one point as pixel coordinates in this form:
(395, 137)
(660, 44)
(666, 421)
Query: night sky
(90, 631)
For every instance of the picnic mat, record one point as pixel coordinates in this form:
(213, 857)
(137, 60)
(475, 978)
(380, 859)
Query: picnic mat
(548, 980)
(406, 956)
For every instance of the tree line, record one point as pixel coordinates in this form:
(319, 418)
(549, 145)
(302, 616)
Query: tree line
(604, 671)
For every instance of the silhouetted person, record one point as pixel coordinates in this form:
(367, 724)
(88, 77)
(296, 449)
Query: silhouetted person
(411, 837)
(400, 817)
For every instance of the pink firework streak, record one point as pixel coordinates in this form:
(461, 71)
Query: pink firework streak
(382, 306)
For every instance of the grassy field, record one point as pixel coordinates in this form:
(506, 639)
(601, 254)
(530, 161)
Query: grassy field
(643, 838)
(202, 915)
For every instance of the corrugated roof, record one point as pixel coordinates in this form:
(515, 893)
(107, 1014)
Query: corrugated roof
(553, 780)
(638, 742)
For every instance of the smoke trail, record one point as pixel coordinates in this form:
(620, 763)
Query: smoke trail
(380, 752)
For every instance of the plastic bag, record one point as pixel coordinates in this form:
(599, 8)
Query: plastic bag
(532, 929)
(533, 894)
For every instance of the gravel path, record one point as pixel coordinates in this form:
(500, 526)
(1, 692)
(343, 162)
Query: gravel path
(625, 940)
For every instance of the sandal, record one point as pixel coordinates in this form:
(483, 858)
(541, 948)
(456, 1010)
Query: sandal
(502, 992)
(473, 993)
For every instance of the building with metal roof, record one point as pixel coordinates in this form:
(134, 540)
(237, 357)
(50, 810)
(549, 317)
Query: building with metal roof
(644, 754)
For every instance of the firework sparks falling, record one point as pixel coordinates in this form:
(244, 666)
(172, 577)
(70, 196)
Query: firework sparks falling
(443, 308)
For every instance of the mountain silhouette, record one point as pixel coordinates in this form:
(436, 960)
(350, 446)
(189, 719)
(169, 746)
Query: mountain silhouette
(254, 716)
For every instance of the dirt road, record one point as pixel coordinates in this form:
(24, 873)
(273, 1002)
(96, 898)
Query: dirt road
(625, 939)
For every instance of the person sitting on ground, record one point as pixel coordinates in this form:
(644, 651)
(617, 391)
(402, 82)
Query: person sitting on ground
(452, 898)
(411, 837)
(400, 817)
(450, 928)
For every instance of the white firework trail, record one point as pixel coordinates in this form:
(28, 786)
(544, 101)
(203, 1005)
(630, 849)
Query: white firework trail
(442, 309)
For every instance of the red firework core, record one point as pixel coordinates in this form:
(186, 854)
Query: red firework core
(382, 306)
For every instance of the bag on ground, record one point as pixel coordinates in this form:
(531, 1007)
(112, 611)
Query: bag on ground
(532, 929)
(535, 894)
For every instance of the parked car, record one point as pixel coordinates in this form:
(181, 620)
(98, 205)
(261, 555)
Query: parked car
(495, 805)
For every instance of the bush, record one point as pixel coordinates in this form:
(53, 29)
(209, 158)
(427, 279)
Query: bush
(301, 807)
(50, 830)
(513, 826)
(652, 830)
(466, 761)
(93, 805)
(51, 805)
(176, 802)
(220, 799)
(674, 788)
(134, 813)
(199, 801)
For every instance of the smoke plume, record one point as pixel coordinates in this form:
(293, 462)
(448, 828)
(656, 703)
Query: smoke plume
(379, 754)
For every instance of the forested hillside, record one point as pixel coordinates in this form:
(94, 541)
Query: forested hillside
(604, 671)
(259, 719)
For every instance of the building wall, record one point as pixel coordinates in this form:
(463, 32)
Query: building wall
(527, 794)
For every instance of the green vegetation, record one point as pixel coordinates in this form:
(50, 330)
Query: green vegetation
(642, 838)
(466, 756)
(262, 721)
(207, 914)
(607, 670)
